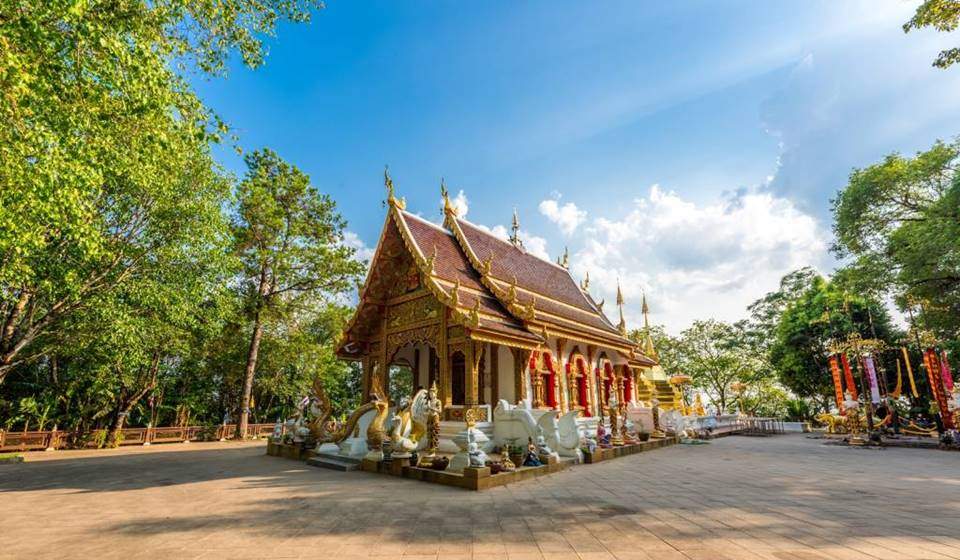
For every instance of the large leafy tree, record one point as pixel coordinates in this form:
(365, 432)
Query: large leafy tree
(825, 311)
(899, 223)
(716, 354)
(289, 240)
(104, 148)
(942, 15)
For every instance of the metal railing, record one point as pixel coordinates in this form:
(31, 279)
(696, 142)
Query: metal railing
(760, 426)
(61, 439)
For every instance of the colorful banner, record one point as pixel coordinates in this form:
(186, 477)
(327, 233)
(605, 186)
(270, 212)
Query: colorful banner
(896, 390)
(837, 382)
(848, 377)
(913, 384)
(871, 379)
(945, 371)
(936, 387)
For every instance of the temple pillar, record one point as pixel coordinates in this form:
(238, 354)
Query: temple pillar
(474, 352)
(563, 381)
(494, 373)
(446, 383)
(520, 360)
(592, 388)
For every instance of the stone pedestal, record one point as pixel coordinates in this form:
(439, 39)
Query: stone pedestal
(397, 464)
(551, 459)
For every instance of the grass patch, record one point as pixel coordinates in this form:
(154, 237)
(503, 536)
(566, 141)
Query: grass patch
(11, 458)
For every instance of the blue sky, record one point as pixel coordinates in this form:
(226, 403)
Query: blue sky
(689, 149)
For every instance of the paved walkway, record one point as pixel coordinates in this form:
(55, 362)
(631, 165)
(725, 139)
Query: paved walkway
(785, 497)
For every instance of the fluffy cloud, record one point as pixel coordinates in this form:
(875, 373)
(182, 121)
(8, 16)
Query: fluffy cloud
(534, 244)
(697, 260)
(363, 251)
(567, 217)
(460, 203)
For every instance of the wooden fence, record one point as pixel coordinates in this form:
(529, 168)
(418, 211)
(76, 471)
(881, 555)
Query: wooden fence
(32, 441)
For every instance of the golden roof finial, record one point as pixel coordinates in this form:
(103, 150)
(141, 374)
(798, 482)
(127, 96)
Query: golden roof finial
(392, 200)
(455, 296)
(564, 260)
(512, 292)
(515, 230)
(475, 314)
(448, 208)
(585, 285)
(622, 327)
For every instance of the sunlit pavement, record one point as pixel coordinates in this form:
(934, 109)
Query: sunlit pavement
(781, 497)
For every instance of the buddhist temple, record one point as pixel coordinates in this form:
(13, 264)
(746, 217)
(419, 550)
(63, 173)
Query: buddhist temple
(452, 304)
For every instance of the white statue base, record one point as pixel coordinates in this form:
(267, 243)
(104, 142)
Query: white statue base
(463, 440)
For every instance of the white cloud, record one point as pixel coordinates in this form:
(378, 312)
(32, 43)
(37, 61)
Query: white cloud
(567, 217)
(533, 244)
(697, 261)
(363, 251)
(461, 204)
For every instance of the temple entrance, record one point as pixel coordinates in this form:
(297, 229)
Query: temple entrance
(458, 377)
(401, 381)
(413, 366)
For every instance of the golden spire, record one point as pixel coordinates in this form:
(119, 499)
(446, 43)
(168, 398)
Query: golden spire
(622, 327)
(388, 183)
(585, 285)
(564, 260)
(515, 230)
(448, 208)
(648, 348)
(646, 312)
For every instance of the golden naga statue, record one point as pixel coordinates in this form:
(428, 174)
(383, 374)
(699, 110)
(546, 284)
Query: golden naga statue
(376, 433)
(325, 430)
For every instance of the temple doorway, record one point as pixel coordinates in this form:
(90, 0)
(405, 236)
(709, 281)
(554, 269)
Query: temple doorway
(458, 377)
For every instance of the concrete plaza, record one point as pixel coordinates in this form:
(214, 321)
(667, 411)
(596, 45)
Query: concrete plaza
(784, 497)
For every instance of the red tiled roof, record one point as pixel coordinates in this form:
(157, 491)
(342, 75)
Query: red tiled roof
(451, 264)
(555, 292)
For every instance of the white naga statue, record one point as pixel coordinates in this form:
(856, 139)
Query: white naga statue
(409, 425)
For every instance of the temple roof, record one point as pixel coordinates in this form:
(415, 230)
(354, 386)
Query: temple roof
(451, 265)
(496, 289)
(557, 299)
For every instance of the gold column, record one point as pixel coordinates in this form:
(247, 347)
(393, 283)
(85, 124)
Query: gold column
(563, 382)
(384, 373)
(520, 359)
(446, 384)
(474, 352)
(494, 373)
(592, 390)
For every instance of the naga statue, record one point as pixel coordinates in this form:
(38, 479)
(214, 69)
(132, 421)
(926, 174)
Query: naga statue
(325, 430)
(376, 433)
(409, 425)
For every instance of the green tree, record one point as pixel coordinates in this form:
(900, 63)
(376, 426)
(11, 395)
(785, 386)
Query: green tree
(289, 241)
(824, 312)
(898, 221)
(942, 15)
(104, 148)
(716, 354)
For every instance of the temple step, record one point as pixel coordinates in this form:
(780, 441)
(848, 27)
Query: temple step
(335, 462)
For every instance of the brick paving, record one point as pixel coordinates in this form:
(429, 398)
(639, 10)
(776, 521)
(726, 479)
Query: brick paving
(785, 497)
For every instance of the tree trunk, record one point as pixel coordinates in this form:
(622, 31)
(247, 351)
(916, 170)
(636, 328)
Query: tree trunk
(113, 436)
(248, 377)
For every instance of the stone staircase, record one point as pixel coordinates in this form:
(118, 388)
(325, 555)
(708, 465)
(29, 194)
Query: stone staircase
(334, 462)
